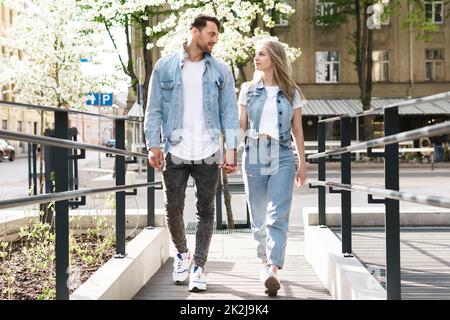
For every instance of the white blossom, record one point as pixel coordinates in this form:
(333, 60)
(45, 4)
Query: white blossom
(51, 36)
(236, 42)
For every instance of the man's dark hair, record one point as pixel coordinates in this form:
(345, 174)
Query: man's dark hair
(199, 21)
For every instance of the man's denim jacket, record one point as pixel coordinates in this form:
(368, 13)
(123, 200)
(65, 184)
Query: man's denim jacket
(165, 102)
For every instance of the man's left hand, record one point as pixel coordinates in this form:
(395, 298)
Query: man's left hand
(229, 164)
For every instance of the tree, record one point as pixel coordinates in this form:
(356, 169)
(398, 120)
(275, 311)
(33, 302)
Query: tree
(51, 37)
(368, 15)
(163, 23)
(45, 44)
(124, 14)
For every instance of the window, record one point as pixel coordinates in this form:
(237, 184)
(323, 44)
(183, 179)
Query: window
(434, 11)
(327, 66)
(19, 126)
(4, 124)
(380, 71)
(434, 65)
(324, 8)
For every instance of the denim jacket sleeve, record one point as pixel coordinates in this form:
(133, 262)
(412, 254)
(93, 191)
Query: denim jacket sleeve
(228, 107)
(154, 112)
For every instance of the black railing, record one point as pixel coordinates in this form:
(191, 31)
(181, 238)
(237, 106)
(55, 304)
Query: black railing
(60, 145)
(391, 193)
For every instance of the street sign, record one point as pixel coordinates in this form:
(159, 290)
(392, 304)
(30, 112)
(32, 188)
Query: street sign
(100, 99)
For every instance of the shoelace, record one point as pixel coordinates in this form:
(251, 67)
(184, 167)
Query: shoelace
(180, 261)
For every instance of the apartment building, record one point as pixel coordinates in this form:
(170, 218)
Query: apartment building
(403, 65)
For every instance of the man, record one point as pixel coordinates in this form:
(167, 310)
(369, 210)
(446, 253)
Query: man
(192, 97)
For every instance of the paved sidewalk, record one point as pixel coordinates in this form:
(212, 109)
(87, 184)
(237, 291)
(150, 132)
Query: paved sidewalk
(233, 272)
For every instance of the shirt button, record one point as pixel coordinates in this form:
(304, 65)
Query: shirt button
(279, 125)
(278, 101)
(281, 137)
(280, 113)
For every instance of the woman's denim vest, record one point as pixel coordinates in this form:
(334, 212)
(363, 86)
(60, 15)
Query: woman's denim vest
(256, 97)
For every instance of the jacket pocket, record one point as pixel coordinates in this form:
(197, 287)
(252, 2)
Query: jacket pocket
(216, 89)
(167, 90)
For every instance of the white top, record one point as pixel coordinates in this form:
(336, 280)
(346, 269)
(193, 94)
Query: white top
(196, 140)
(269, 118)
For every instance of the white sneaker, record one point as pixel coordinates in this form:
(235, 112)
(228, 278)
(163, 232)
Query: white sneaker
(272, 284)
(181, 265)
(197, 280)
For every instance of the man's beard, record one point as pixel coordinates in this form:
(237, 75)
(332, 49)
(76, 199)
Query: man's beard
(204, 48)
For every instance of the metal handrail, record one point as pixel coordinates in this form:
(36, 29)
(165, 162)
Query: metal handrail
(66, 143)
(443, 202)
(49, 197)
(433, 130)
(53, 109)
(436, 97)
(391, 193)
(59, 163)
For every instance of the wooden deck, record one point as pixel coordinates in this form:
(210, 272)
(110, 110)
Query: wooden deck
(424, 258)
(233, 272)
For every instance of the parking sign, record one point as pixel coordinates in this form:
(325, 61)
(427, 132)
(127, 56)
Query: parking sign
(100, 99)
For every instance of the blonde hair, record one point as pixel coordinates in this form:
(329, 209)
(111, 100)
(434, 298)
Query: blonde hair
(282, 69)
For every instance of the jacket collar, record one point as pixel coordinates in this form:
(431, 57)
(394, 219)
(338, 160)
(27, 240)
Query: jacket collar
(260, 85)
(183, 55)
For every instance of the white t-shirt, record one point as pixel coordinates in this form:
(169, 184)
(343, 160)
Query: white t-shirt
(196, 142)
(269, 117)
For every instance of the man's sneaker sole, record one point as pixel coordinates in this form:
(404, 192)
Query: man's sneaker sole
(180, 278)
(198, 287)
(272, 286)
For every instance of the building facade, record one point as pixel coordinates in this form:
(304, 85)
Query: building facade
(403, 65)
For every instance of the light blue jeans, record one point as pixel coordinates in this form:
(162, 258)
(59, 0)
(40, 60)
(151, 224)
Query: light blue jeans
(268, 173)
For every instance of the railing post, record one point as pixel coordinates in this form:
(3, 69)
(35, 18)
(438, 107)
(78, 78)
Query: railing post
(321, 173)
(391, 176)
(150, 197)
(62, 209)
(120, 196)
(35, 183)
(346, 196)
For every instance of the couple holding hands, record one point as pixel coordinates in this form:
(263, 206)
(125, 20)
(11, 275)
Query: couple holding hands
(192, 99)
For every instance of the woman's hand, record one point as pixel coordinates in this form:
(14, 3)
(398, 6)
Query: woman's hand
(300, 176)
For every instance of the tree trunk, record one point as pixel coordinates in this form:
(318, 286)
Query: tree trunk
(364, 63)
(227, 200)
(242, 73)
(148, 63)
(130, 66)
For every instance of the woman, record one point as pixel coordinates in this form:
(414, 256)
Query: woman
(270, 111)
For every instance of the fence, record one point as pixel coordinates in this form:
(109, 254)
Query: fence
(392, 138)
(60, 145)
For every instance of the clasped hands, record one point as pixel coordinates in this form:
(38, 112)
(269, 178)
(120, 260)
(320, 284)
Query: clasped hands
(229, 164)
